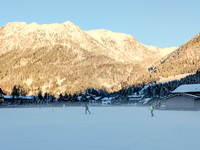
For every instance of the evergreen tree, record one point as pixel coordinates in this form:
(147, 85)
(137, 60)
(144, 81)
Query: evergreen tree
(162, 91)
(15, 91)
(40, 95)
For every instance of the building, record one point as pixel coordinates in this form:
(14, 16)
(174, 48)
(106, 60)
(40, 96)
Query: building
(106, 101)
(183, 97)
(18, 99)
(188, 88)
(134, 97)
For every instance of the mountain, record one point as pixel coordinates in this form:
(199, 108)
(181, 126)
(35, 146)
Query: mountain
(185, 59)
(58, 58)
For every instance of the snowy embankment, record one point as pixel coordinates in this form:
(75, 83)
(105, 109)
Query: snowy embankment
(172, 78)
(107, 128)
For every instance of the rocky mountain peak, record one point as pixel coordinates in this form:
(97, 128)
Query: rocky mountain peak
(101, 35)
(119, 46)
(81, 59)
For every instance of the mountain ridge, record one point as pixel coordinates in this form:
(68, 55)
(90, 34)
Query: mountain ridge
(66, 31)
(47, 54)
(185, 59)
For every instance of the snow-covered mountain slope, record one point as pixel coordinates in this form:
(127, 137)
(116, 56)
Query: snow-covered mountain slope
(183, 60)
(82, 59)
(23, 36)
(162, 51)
(120, 42)
(121, 47)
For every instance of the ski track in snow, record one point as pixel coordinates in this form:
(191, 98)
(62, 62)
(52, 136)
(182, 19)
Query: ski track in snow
(107, 128)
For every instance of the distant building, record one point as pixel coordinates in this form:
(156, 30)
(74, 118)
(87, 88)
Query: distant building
(106, 101)
(134, 97)
(17, 99)
(184, 97)
(188, 88)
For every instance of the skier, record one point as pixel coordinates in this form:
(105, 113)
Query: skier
(151, 108)
(87, 109)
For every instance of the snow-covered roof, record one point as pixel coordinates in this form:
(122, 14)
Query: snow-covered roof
(106, 99)
(20, 97)
(7, 96)
(187, 88)
(134, 96)
(135, 99)
(96, 98)
(146, 100)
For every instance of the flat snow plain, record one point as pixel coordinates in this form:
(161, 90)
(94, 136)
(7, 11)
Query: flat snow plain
(107, 128)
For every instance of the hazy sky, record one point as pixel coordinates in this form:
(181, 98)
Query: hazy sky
(162, 23)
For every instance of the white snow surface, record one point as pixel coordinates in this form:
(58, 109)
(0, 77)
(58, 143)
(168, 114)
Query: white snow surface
(172, 78)
(187, 88)
(107, 128)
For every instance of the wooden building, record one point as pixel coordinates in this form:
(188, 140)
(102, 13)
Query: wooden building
(184, 97)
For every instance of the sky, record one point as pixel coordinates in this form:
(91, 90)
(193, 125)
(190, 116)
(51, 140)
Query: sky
(161, 23)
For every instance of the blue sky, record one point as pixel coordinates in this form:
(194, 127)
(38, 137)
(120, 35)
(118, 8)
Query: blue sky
(162, 23)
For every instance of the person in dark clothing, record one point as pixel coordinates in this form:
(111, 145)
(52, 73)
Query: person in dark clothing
(87, 109)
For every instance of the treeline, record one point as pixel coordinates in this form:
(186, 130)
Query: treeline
(183, 60)
(156, 90)
(45, 67)
(164, 89)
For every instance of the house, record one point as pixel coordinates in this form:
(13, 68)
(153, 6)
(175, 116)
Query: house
(183, 97)
(106, 101)
(134, 97)
(188, 88)
(18, 99)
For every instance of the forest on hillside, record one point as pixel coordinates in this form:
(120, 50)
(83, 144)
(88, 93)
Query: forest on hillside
(154, 90)
(186, 59)
(62, 70)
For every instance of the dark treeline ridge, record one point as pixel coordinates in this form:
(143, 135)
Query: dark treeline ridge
(164, 89)
(156, 90)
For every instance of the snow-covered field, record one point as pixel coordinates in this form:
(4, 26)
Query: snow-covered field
(172, 78)
(107, 128)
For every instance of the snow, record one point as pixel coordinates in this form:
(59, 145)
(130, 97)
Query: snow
(109, 35)
(146, 100)
(163, 51)
(107, 128)
(187, 88)
(119, 46)
(107, 99)
(98, 97)
(167, 50)
(172, 78)
(134, 96)
(20, 97)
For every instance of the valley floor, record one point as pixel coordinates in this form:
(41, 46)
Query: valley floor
(107, 128)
